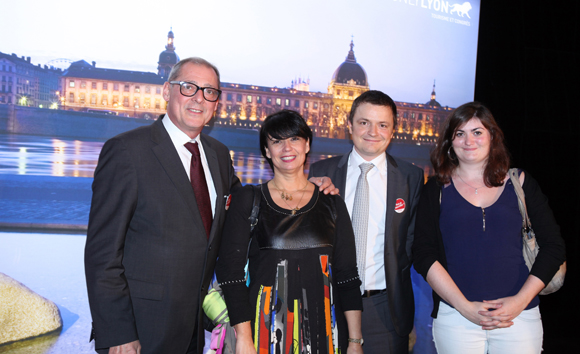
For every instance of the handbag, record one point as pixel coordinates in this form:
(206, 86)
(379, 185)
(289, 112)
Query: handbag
(223, 336)
(530, 246)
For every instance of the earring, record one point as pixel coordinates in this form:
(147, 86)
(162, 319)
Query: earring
(449, 154)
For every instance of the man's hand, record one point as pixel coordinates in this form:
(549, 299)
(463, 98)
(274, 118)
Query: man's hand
(325, 185)
(127, 348)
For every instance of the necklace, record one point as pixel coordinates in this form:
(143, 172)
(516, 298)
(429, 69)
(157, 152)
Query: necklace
(288, 197)
(302, 211)
(468, 183)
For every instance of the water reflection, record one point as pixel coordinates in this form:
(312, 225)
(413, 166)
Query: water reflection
(34, 155)
(44, 156)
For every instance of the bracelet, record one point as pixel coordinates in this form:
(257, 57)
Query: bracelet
(357, 341)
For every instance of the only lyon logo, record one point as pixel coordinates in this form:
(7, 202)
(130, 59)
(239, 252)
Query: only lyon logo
(442, 9)
(462, 9)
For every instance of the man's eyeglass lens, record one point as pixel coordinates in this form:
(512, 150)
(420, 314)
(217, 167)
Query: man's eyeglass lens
(189, 89)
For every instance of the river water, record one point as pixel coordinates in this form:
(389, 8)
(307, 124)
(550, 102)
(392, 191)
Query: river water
(65, 157)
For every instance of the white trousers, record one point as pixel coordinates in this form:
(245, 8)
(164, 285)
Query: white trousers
(454, 334)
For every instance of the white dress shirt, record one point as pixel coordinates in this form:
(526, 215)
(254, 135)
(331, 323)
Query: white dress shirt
(377, 178)
(179, 140)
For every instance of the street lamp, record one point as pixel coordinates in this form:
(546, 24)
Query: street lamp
(60, 99)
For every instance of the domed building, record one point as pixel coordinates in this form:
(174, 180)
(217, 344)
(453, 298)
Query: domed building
(348, 82)
(349, 73)
(433, 102)
(168, 58)
(88, 88)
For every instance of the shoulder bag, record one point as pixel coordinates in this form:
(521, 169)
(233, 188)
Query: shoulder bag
(530, 246)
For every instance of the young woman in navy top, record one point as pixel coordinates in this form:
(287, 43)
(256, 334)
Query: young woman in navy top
(468, 243)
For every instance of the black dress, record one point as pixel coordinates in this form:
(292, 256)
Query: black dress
(302, 269)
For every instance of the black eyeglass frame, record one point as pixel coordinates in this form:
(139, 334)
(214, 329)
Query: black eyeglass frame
(197, 88)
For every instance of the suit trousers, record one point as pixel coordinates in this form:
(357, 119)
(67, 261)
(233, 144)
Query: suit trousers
(454, 334)
(378, 329)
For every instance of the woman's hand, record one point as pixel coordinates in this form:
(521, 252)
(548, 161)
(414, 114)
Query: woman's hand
(473, 311)
(245, 345)
(244, 342)
(510, 307)
(353, 322)
(443, 285)
(354, 348)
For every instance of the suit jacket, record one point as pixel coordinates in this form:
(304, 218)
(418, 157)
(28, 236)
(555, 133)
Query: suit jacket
(148, 261)
(404, 181)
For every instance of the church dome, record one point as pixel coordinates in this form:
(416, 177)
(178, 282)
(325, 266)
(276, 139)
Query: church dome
(433, 102)
(168, 57)
(350, 72)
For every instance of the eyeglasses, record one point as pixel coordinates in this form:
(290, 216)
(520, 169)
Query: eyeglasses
(189, 89)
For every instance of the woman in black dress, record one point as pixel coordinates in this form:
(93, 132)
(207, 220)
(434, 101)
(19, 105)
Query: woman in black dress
(302, 262)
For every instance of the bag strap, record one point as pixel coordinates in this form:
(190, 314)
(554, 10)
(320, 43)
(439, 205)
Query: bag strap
(253, 222)
(526, 223)
(256, 207)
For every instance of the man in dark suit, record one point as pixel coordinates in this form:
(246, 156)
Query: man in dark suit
(151, 249)
(393, 192)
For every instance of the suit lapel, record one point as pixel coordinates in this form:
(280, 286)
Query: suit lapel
(394, 183)
(213, 163)
(169, 159)
(339, 176)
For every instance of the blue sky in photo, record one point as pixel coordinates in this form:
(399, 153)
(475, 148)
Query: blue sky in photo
(403, 45)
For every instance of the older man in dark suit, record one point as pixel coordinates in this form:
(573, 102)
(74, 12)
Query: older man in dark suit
(381, 193)
(153, 240)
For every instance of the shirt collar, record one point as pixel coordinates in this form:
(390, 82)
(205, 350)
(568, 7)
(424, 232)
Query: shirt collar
(178, 137)
(380, 161)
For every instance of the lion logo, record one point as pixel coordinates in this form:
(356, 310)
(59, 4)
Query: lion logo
(462, 9)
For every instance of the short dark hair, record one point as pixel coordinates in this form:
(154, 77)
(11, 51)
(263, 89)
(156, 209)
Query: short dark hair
(377, 98)
(176, 70)
(283, 124)
(443, 157)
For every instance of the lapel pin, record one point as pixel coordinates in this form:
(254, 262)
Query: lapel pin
(228, 200)
(399, 205)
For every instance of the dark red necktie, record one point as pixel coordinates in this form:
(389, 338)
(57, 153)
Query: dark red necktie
(197, 177)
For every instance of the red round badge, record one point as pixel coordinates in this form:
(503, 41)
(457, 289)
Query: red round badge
(399, 206)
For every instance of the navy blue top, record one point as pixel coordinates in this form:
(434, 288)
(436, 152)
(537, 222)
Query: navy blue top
(485, 261)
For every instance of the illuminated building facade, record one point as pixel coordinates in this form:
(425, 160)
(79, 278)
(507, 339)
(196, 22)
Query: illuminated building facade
(248, 105)
(26, 84)
(85, 87)
(118, 92)
(326, 113)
